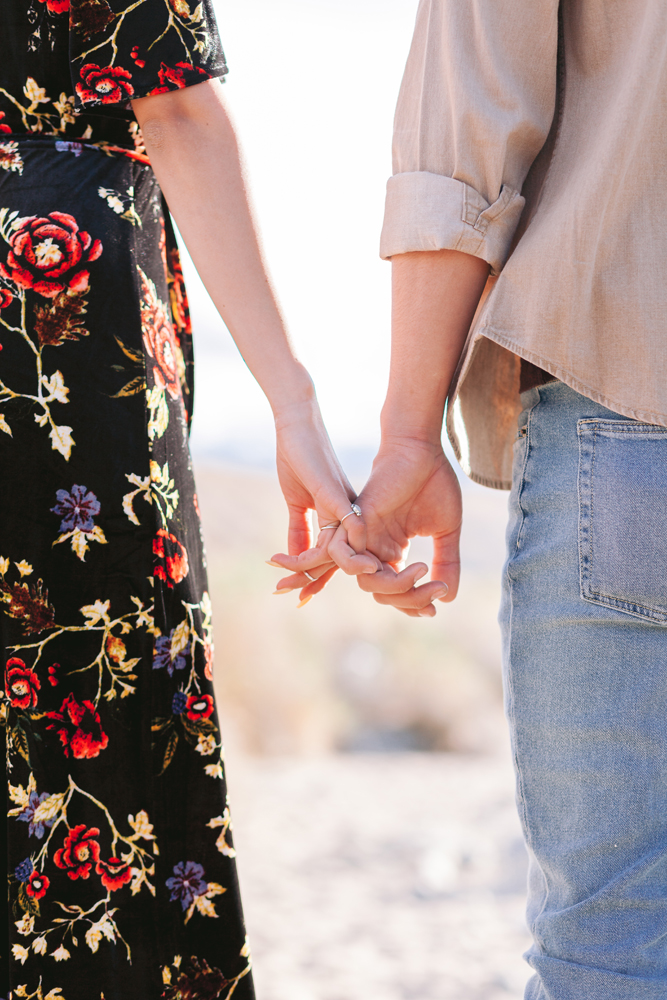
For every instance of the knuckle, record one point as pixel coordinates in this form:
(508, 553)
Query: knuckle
(415, 601)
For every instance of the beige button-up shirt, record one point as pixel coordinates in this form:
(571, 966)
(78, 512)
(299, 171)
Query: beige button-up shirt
(543, 150)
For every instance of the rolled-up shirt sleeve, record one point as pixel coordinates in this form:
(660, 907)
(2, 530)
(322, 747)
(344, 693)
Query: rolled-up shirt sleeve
(475, 107)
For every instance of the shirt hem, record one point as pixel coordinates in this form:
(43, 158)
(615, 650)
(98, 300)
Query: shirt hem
(643, 416)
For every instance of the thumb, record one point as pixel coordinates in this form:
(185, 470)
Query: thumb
(447, 562)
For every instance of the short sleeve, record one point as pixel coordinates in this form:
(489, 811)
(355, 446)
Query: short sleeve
(123, 49)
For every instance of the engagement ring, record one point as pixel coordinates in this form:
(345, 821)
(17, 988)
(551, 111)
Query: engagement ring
(356, 509)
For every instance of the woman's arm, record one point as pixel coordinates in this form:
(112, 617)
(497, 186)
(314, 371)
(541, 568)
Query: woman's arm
(195, 155)
(194, 152)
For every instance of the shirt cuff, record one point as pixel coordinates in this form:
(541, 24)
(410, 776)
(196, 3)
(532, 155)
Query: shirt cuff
(427, 211)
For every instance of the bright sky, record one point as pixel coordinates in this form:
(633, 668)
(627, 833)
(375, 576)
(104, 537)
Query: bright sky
(313, 85)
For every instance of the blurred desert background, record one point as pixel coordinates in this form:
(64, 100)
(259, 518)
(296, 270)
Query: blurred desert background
(379, 852)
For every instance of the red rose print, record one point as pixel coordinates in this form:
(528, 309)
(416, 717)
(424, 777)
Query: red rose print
(53, 679)
(108, 84)
(199, 706)
(6, 298)
(47, 255)
(115, 873)
(56, 6)
(37, 885)
(134, 55)
(178, 76)
(3, 127)
(79, 851)
(81, 730)
(168, 548)
(21, 684)
(159, 340)
(177, 294)
(163, 247)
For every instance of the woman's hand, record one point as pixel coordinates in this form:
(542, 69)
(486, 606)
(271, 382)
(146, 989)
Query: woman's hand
(311, 478)
(412, 491)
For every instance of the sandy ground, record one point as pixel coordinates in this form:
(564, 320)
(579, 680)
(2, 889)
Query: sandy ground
(381, 876)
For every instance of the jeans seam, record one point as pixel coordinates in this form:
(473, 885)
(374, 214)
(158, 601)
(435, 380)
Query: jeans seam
(519, 533)
(582, 526)
(522, 804)
(628, 426)
(628, 607)
(585, 431)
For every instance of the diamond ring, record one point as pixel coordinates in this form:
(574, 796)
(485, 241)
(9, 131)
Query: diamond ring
(356, 509)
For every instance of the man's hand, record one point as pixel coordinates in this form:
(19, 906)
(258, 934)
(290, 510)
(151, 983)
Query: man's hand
(412, 491)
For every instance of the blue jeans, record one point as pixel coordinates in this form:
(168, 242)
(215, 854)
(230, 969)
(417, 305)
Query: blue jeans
(584, 622)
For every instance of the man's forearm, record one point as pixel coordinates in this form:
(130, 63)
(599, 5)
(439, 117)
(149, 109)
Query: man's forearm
(435, 294)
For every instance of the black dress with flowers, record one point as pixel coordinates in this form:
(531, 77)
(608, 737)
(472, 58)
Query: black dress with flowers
(121, 881)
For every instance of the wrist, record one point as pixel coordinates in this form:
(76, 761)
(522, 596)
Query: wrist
(293, 392)
(414, 448)
(403, 427)
(414, 411)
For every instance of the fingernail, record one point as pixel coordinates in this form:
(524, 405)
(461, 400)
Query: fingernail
(421, 573)
(427, 613)
(371, 570)
(270, 562)
(302, 603)
(284, 590)
(440, 593)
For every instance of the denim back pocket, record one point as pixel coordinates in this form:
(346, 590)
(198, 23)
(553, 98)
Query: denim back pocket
(623, 516)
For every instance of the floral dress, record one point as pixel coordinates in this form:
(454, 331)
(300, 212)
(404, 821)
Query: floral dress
(121, 882)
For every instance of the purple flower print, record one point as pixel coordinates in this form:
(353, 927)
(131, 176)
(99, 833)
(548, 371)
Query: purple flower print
(28, 815)
(77, 509)
(162, 655)
(178, 703)
(187, 882)
(25, 870)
